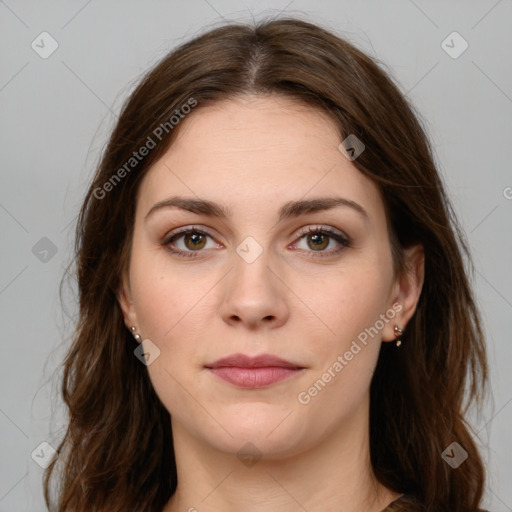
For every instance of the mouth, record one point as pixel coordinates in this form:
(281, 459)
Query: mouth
(253, 372)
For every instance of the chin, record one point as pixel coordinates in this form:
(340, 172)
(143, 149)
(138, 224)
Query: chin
(269, 429)
(257, 446)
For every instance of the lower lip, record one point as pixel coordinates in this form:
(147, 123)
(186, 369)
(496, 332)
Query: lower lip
(254, 377)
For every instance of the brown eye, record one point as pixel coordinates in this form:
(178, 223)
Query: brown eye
(318, 241)
(319, 238)
(188, 242)
(194, 240)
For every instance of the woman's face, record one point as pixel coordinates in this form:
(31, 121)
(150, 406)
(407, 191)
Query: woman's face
(255, 282)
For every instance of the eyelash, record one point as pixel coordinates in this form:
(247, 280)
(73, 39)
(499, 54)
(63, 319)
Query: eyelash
(343, 240)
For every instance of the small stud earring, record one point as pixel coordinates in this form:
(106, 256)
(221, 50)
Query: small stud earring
(136, 335)
(398, 333)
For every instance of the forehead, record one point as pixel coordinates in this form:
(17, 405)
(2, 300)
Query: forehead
(253, 151)
(264, 124)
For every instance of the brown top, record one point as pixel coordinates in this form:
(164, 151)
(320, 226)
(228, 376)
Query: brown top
(408, 503)
(405, 503)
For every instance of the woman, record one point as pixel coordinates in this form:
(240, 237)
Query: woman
(274, 308)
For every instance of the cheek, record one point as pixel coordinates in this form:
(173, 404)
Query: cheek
(157, 305)
(165, 295)
(345, 359)
(349, 300)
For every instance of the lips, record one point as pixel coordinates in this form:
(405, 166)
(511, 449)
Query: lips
(261, 361)
(253, 372)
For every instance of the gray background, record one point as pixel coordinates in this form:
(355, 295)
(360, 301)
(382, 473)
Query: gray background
(56, 114)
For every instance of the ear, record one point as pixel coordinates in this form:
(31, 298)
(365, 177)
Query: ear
(407, 289)
(124, 297)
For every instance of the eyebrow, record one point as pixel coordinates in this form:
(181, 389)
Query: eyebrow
(289, 210)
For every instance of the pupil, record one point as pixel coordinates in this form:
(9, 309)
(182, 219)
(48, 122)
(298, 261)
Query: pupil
(317, 240)
(195, 239)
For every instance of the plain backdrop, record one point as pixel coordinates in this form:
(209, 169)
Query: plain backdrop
(56, 113)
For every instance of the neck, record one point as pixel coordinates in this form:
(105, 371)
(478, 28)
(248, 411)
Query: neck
(335, 475)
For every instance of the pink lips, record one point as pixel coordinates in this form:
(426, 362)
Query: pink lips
(253, 372)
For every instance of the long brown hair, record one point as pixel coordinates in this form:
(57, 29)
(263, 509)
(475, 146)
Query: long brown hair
(117, 453)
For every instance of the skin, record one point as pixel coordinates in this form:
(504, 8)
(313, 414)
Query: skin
(253, 154)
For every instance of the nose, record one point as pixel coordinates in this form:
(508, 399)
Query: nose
(254, 295)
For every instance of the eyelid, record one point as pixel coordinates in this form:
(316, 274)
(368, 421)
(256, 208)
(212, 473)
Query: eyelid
(323, 229)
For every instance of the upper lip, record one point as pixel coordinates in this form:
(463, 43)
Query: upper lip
(260, 361)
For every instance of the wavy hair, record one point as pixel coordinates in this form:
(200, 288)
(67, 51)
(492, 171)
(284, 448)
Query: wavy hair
(117, 452)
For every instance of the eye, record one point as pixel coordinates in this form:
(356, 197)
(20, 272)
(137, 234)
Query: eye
(189, 242)
(319, 238)
(193, 240)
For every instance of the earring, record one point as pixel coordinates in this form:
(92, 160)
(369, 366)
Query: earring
(398, 333)
(136, 335)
